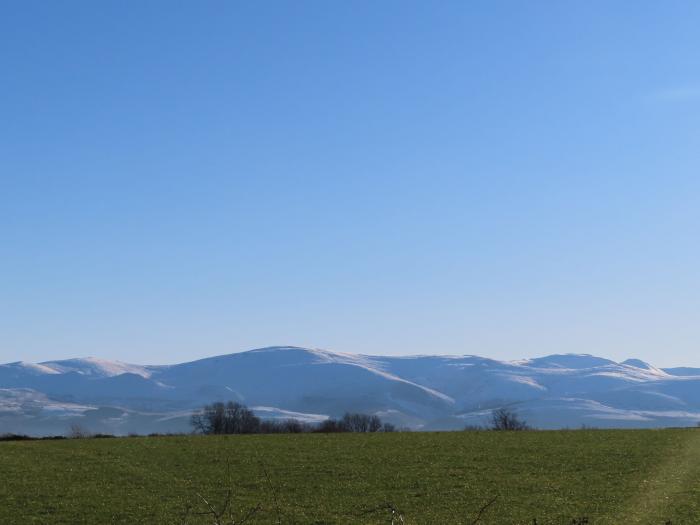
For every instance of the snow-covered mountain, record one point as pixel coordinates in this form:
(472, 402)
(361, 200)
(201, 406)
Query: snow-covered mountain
(422, 392)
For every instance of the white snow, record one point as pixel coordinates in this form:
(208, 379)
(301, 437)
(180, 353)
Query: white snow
(93, 366)
(310, 384)
(278, 413)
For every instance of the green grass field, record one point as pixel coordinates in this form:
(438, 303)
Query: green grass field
(610, 477)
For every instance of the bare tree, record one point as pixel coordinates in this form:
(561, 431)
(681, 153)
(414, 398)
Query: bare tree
(240, 420)
(235, 418)
(229, 418)
(294, 426)
(77, 431)
(388, 427)
(285, 426)
(505, 419)
(375, 424)
(330, 426)
(353, 422)
(199, 423)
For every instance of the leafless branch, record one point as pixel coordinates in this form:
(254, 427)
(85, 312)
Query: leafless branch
(273, 490)
(483, 509)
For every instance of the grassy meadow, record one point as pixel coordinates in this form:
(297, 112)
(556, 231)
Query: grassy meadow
(608, 477)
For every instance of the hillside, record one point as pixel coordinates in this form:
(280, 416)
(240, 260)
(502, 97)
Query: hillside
(420, 392)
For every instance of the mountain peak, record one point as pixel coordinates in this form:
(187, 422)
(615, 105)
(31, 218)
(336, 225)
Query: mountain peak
(415, 391)
(637, 363)
(642, 365)
(570, 361)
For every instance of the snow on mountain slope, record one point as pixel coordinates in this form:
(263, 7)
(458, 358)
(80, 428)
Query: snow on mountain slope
(571, 412)
(21, 367)
(92, 366)
(25, 400)
(276, 413)
(303, 380)
(87, 367)
(428, 391)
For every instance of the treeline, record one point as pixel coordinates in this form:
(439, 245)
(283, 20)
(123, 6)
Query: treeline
(235, 418)
(23, 437)
(502, 419)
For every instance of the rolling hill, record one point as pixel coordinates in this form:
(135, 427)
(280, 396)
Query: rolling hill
(421, 392)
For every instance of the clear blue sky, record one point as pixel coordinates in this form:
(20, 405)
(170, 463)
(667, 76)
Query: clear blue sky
(509, 179)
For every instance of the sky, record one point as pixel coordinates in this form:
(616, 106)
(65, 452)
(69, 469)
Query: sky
(507, 179)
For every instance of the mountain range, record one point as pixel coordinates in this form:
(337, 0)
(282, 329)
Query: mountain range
(427, 392)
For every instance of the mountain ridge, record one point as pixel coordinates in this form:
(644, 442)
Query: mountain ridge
(418, 391)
